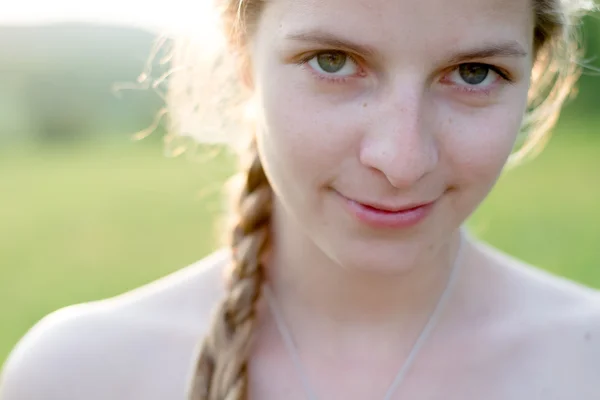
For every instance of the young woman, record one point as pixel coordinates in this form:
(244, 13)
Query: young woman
(379, 127)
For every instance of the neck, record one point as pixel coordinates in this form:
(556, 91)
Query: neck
(316, 294)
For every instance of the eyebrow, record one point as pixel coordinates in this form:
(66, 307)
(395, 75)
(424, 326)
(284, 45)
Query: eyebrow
(509, 48)
(504, 49)
(328, 39)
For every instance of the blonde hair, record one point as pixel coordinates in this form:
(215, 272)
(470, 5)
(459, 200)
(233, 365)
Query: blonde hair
(206, 101)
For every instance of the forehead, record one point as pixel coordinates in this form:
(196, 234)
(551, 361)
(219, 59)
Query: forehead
(421, 24)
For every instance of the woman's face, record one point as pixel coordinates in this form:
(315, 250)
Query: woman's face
(389, 104)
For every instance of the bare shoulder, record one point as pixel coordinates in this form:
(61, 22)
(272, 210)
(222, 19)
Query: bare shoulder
(540, 295)
(115, 347)
(551, 323)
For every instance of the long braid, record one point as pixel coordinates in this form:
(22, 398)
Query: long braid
(221, 371)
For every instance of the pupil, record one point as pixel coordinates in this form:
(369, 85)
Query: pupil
(331, 62)
(473, 74)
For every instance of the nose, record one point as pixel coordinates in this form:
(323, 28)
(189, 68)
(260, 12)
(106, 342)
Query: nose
(399, 141)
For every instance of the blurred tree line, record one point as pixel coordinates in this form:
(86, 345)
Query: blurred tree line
(56, 81)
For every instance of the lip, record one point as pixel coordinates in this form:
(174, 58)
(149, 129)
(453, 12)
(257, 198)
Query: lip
(388, 216)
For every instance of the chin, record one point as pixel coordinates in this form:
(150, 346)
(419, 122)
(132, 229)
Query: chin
(387, 251)
(385, 256)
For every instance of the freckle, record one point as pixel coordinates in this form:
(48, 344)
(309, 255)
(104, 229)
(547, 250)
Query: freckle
(587, 336)
(364, 105)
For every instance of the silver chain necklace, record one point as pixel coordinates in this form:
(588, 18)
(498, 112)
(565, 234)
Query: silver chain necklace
(432, 321)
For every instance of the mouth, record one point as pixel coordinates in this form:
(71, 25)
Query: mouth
(391, 209)
(382, 215)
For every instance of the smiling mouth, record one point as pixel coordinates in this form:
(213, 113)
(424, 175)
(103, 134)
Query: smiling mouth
(388, 208)
(391, 209)
(379, 215)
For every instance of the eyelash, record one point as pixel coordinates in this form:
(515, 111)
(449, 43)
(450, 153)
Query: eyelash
(329, 78)
(474, 89)
(342, 79)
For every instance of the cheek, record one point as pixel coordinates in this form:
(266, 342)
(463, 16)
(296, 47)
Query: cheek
(481, 143)
(302, 135)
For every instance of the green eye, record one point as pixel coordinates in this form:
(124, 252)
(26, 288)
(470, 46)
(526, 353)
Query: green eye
(332, 62)
(473, 74)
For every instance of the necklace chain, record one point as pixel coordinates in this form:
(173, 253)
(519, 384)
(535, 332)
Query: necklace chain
(292, 349)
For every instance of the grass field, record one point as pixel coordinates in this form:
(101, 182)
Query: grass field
(78, 225)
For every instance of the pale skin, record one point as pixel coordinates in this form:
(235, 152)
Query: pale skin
(402, 127)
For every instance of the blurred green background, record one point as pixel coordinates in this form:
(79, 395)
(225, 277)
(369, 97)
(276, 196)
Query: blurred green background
(86, 212)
